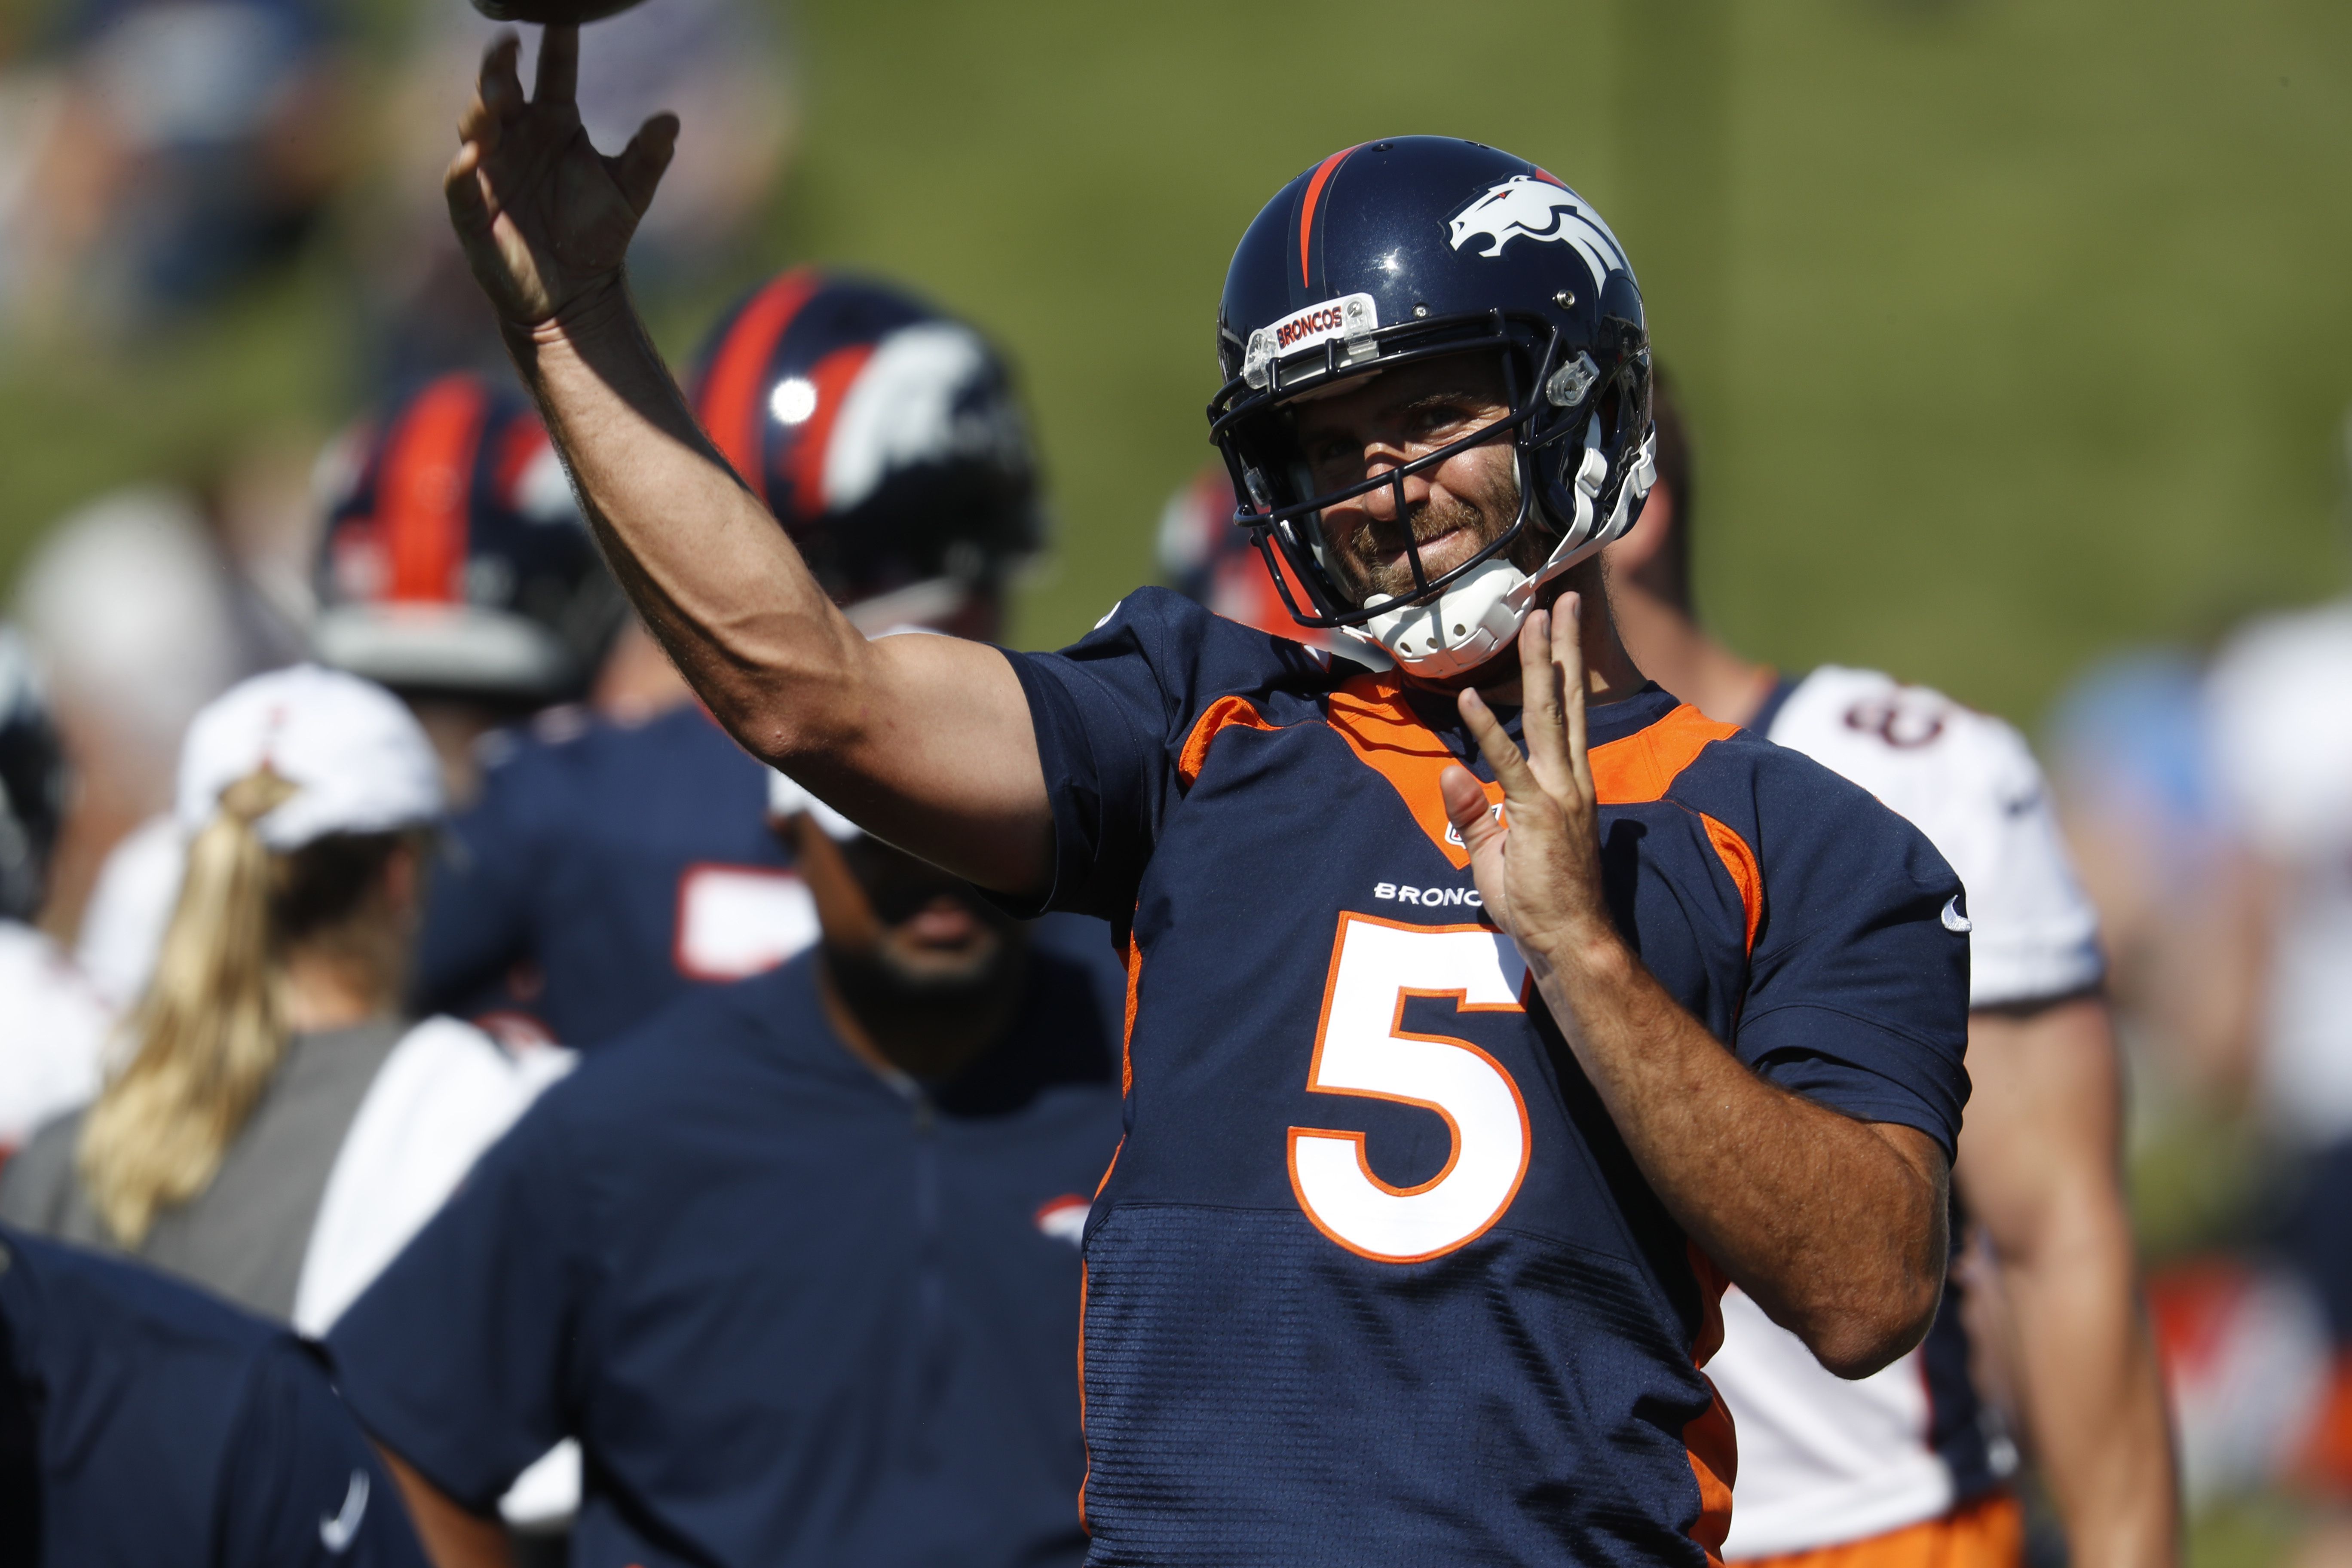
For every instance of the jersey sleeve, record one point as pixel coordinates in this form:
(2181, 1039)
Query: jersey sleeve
(459, 1358)
(1858, 980)
(1111, 712)
(300, 1484)
(2035, 936)
(1971, 783)
(476, 912)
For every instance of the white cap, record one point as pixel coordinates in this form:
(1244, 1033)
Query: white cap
(787, 799)
(358, 759)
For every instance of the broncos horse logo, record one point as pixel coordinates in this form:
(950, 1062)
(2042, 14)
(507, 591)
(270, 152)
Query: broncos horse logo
(1524, 206)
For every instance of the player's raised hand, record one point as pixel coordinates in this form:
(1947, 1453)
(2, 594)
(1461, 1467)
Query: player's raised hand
(544, 217)
(1539, 868)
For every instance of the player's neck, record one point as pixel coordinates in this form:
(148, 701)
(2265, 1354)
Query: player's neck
(905, 1035)
(1676, 653)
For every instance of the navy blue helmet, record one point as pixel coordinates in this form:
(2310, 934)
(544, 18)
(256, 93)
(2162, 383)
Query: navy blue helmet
(455, 560)
(884, 435)
(32, 783)
(1404, 250)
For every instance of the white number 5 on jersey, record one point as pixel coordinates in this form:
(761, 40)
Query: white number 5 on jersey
(1363, 1048)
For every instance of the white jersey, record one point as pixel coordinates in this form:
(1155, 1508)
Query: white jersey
(1823, 1460)
(2280, 704)
(53, 1032)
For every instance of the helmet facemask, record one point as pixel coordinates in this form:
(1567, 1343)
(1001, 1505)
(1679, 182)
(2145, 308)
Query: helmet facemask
(1564, 415)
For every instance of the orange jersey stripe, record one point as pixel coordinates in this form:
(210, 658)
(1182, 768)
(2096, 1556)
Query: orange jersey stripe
(1220, 715)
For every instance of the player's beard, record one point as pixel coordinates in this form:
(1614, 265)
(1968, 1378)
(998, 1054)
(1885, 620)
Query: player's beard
(1363, 556)
(910, 986)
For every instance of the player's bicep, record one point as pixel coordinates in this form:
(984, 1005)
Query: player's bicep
(942, 760)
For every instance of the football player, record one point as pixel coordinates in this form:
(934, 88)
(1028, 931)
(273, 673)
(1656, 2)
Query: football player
(143, 1421)
(908, 1122)
(453, 569)
(623, 859)
(1902, 1466)
(1486, 1014)
(55, 1023)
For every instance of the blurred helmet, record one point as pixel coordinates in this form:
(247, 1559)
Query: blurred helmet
(1397, 251)
(32, 783)
(456, 561)
(884, 436)
(1209, 560)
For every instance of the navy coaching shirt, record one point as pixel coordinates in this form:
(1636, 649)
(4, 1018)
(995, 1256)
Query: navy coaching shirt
(1373, 1277)
(145, 1425)
(793, 1313)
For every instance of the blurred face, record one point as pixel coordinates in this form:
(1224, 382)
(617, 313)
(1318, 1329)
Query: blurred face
(1376, 424)
(898, 926)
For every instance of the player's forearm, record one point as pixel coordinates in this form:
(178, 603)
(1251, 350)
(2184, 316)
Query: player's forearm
(452, 1537)
(2094, 1404)
(1834, 1227)
(715, 578)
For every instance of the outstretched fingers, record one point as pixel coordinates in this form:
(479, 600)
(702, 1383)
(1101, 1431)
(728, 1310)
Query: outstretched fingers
(558, 82)
(1567, 660)
(1520, 785)
(1540, 719)
(639, 168)
(470, 210)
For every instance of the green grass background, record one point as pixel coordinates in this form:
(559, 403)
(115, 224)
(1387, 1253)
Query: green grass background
(2012, 330)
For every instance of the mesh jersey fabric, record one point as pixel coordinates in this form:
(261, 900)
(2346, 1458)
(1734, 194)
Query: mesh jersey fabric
(1416, 1352)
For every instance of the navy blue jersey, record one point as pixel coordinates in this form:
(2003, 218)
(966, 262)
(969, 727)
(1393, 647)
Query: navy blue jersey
(621, 866)
(610, 869)
(1373, 1277)
(793, 1313)
(145, 1425)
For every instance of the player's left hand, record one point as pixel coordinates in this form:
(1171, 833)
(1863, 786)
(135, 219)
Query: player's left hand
(1539, 867)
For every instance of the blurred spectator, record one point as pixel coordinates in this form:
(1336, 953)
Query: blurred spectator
(2181, 904)
(722, 58)
(53, 1025)
(142, 1422)
(165, 152)
(135, 621)
(278, 1130)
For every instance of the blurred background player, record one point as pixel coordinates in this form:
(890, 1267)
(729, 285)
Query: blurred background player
(796, 1261)
(53, 1025)
(1900, 1467)
(616, 861)
(452, 567)
(278, 1128)
(144, 1422)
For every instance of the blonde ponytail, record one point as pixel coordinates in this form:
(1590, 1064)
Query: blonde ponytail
(209, 1032)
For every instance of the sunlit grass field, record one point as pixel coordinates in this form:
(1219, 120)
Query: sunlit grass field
(2011, 329)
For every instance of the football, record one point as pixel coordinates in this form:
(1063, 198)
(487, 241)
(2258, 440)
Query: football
(551, 13)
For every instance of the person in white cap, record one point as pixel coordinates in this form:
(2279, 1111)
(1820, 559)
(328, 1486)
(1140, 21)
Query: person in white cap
(277, 1131)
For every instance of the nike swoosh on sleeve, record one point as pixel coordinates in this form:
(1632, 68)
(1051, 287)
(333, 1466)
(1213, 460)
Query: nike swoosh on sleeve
(337, 1533)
